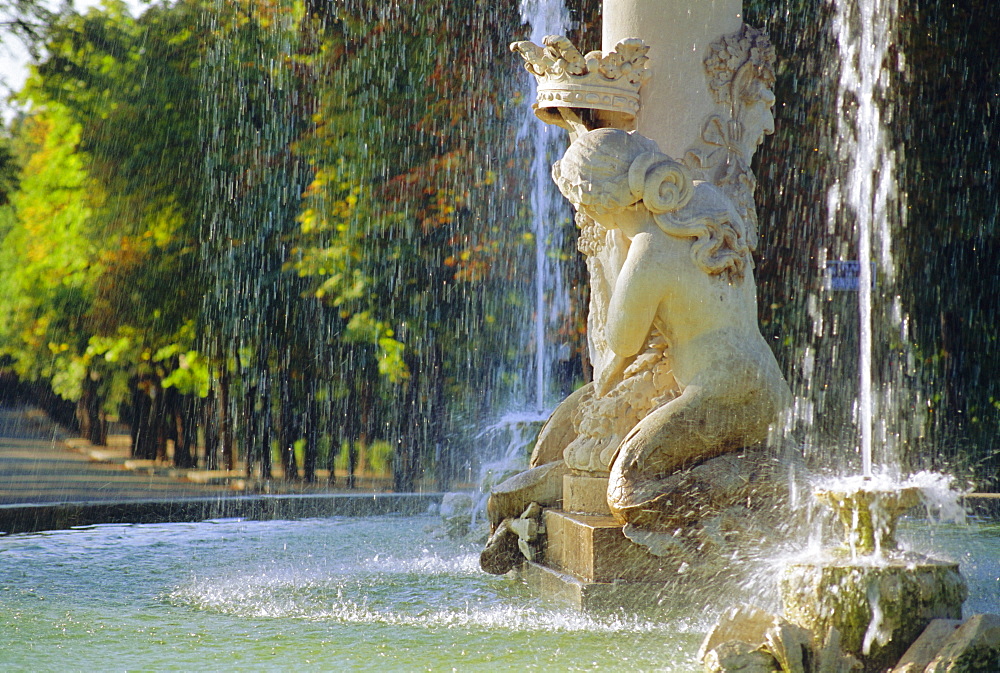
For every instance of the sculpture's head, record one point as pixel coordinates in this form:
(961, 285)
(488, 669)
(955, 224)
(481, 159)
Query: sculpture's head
(609, 169)
(753, 106)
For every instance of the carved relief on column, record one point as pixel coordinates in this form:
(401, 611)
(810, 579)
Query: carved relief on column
(740, 73)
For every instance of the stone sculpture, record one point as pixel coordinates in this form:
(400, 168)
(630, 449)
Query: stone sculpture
(691, 373)
(681, 372)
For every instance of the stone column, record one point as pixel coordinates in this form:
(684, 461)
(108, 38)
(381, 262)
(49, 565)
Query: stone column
(676, 100)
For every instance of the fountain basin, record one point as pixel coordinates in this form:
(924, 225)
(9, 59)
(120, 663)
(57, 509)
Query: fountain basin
(345, 593)
(341, 593)
(869, 515)
(879, 608)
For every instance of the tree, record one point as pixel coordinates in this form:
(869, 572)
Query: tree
(49, 258)
(398, 236)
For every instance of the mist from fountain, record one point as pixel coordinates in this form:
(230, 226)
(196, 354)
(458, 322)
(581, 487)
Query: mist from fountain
(507, 442)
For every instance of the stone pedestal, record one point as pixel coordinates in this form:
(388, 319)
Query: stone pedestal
(564, 588)
(879, 609)
(585, 495)
(676, 100)
(588, 562)
(593, 549)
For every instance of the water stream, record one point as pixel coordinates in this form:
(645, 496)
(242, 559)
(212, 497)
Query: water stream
(548, 209)
(864, 30)
(508, 438)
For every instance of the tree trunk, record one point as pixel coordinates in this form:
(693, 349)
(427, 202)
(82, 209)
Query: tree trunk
(210, 422)
(185, 446)
(406, 462)
(90, 414)
(257, 437)
(312, 425)
(143, 430)
(160, 419)
(225, 422)
(289, 430)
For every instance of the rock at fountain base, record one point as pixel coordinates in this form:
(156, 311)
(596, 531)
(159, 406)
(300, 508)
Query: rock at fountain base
(747, 639)
(955, 647)
(880, 610)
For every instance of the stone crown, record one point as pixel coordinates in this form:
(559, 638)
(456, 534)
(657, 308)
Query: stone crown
(567, 78)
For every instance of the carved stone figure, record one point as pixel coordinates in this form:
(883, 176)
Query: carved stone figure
(740, 76)
(582, 93)
(599, 86)
(691, 364)
(681, 372)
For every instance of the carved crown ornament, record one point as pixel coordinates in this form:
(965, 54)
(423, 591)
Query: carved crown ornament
(567, 78)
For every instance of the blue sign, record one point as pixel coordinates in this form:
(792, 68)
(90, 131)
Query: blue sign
(844, 275)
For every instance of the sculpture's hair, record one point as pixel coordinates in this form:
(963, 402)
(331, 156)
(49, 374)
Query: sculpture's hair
(610, 169)
(594, 171)
(720, 247)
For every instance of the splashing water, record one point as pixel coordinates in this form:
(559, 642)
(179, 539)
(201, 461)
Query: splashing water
(875, 502)
(359, 592)
(516, 432)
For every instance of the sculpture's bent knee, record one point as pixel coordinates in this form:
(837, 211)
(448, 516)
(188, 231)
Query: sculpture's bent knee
(683, 433)
(559, 430)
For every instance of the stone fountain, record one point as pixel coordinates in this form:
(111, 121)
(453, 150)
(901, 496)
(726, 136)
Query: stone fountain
(864, 605)
(877, 597)
(661, 461)
(662, 455)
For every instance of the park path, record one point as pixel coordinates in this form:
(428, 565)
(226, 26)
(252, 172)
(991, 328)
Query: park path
(37, 465)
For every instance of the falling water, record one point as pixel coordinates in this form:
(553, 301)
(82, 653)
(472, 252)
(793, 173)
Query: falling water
(865, 29)
(546, 17)
(511, 436)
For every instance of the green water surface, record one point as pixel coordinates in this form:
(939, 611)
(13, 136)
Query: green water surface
(324, 594)
(366, 594)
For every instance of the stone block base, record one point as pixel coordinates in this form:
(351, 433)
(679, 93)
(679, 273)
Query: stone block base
(594, 549)
(587, 495)
(563, 588)
(588, 563)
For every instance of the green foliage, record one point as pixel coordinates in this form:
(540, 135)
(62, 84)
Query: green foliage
(101, 245)
(48, 258)
(302, 219)
(26, 21)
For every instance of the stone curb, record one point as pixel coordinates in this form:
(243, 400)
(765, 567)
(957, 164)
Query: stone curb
(57, 516)
(983, 505)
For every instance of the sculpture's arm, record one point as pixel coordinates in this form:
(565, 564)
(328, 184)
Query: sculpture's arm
(605, 269)
(634, 301)
(572, 122)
